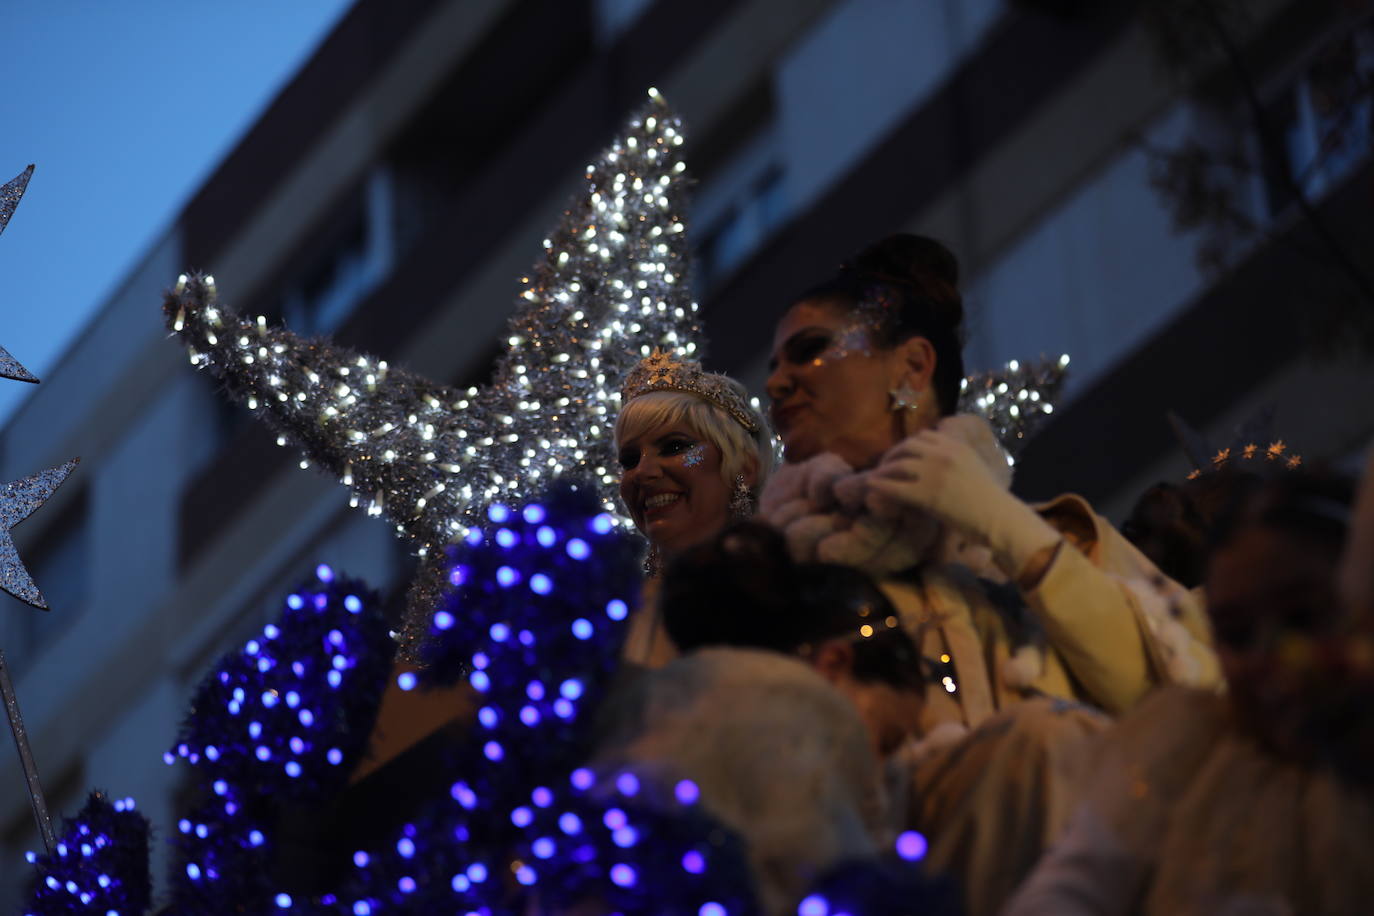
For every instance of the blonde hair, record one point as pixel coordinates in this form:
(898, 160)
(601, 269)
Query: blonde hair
(740, 450)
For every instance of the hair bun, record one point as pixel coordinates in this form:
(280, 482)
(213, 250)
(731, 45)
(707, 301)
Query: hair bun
(922, 264)
(910, 258)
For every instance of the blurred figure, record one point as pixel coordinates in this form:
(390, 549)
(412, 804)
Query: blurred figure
(796, 680)
(1260, 801)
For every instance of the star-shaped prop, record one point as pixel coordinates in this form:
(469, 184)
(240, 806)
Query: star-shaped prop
(610, 288)
(10, 195)
(1016, 399)
(18, 500)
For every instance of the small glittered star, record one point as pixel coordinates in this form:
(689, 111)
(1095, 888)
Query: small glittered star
(1249, 451)
(1276, 449)
(1221, 457)
(18, 500)
(904, 397)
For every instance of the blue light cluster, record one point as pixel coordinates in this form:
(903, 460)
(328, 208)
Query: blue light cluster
(99, 865)
(280, 721)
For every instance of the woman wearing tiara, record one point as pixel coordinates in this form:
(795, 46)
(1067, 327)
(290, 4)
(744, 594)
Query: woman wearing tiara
(882, 475)
(693, 455)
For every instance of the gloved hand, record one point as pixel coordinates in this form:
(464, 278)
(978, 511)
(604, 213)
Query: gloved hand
(940, 474)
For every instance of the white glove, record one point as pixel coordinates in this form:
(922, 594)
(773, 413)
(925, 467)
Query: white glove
(936, 472)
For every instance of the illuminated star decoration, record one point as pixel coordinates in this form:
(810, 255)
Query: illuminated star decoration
(1016, 399)
(610, 287)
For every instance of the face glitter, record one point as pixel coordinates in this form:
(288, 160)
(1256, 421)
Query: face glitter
(694, 455)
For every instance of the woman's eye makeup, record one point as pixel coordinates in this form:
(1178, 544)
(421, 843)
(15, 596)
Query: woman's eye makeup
(628, 458)
(694, 455)
(805, 348)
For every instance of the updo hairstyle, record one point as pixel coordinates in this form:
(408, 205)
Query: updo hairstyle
(906, 286)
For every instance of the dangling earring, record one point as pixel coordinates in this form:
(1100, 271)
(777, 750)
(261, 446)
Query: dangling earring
(742, 499)
(904, 397)
(653, 561)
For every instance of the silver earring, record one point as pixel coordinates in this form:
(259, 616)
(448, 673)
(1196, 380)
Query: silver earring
(653, 561)
(741, 499)
(904, 397)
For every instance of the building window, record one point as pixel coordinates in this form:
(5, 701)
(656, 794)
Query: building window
(357, 254)
(1325, 119)
(744, 226)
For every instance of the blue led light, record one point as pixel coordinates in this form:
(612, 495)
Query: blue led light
(541, 584)
(324, 573)
(293, 699)
(406, 885)
(463, 795)
(498, 513)
(614, 819)
(628, 784)
(534, 513)
(526, 875)
(488, 717)
(546, 536)
(522, 816)
(479, 681)
(444, 620)
(543, 848)
(507, 538)
(617, 609)
(255, 838)
(571, 688)
(293, 769)
(582, 779)
(582, 628)
(192, 872)
(625, 837)
(493, 751)
(334, 756)
(307, 718)
(711, 908)
(295, 602)
(460, 883)
(477, 872)
(269, 699)
(623, 875)
(251, 647)
(362, 908)
(271, 631)
(480, 660)
(814, 905)
(220, 787)
(563, 709)
(579, 549)
(263, 753)
(570, 823)
(406, 680)
(334, 678)
(529, 716)
(406, 847)
(499, 632)
(602, 524)
(284, 901)
(506, 577)
(459, 574)
(693, 862)
(542, 797)
(911, 846)
(535, 690)
(353, 604)
(687, 792)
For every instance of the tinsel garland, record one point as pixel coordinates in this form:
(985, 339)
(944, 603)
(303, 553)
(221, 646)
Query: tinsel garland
(280, 722)
(99, 865)
(610, 287)
(1015, 399)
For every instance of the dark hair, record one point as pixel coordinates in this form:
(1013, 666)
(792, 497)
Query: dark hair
(911, 284)
(742, 589)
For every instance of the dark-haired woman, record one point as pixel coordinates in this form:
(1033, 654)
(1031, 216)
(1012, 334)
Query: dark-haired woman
(882, 474)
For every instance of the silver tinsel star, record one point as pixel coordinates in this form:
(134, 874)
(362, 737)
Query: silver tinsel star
(10, 195)
(1016, 399)
(610, 288)
(18, 500)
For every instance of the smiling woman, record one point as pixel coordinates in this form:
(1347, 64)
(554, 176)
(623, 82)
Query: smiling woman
(693, 455)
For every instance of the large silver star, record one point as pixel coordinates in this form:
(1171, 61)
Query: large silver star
(18, 500)
(10, 195)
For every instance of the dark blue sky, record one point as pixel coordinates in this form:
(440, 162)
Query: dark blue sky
(125, 108)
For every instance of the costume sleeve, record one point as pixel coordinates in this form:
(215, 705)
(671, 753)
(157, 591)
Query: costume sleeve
(383, 432)
(1120, 626)
(1087, 873)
